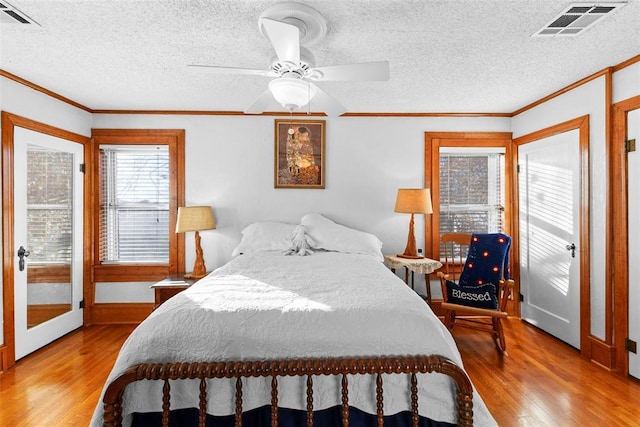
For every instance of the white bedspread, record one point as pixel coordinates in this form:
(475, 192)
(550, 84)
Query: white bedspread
(266, 305)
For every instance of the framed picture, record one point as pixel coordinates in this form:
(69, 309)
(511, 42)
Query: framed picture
(299, 153)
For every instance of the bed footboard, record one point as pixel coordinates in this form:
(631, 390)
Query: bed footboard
(412, 365)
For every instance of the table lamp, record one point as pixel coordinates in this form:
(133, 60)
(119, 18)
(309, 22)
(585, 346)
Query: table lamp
(196, 218)
(413, 201)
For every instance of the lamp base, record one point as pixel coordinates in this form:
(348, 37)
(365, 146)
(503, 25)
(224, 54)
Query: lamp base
(410, 251)
(199, 269)
(409, 256)
(194, 276)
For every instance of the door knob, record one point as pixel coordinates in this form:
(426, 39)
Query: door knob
(22, 252)
(572, 248)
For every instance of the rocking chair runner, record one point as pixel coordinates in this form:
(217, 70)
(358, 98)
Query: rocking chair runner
(475, 282)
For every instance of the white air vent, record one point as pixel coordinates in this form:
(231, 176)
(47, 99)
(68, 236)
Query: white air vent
(577, 18)
(11, 15)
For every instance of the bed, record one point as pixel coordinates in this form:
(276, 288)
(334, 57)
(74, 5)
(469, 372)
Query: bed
(332, 338)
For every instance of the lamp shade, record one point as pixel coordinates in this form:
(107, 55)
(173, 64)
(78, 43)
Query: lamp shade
(414, 200)
(195, 218)
(292, 93)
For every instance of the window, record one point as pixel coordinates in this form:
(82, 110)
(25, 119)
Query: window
(138, 184)
(134, 204)
(471, 190)
(49, 205)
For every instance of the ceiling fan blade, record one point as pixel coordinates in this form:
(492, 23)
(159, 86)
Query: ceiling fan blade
(285, 39)
(261, 104)
(323, 102)
(365, 71)
(214, 69)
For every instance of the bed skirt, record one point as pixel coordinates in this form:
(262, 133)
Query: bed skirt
(261, 417)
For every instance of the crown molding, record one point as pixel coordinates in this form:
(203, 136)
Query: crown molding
(46, 91)
(604, 72)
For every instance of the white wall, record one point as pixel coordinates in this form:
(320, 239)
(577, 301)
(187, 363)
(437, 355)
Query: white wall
(18, 99)
(626, 83)
(588, 99)
(230, 166)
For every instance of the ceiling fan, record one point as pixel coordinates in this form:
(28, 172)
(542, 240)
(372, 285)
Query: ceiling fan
(288, 26)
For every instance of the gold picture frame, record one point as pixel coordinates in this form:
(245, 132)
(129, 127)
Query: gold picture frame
(299, 160)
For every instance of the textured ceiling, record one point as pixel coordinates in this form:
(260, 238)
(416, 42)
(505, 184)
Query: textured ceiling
(445, 56)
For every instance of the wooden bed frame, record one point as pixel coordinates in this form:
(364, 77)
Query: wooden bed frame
(113, 398)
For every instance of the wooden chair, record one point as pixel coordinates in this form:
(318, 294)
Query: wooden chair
(459, 261)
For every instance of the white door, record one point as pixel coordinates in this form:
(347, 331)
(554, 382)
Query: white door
(549, 189)
(48, 221)
(633, 179)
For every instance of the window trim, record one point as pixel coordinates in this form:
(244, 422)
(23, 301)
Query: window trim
(133, 272)
(433, 142)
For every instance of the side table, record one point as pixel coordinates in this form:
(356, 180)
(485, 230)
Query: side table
(170, 286)
(424, 266)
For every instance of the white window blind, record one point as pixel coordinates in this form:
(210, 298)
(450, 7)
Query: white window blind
(134, 204)
(471, 190)
(49, 205)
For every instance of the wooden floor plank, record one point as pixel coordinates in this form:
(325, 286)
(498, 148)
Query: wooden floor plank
(541, 382)
(60, 384)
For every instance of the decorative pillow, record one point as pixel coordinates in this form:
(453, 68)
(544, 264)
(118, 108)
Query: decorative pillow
(330, 236)
(265, 236)
(301, 243)
(481, 296)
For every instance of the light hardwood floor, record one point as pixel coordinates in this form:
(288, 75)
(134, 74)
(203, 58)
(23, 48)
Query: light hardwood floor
(542, 381)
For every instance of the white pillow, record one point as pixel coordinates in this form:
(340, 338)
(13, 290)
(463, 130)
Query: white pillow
(335, 237)
(265, 236)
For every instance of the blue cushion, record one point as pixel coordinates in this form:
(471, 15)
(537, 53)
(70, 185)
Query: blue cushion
(487, 260)
(481, 296)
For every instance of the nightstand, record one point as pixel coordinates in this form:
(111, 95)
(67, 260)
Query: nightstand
(424, 266)
(170, 286)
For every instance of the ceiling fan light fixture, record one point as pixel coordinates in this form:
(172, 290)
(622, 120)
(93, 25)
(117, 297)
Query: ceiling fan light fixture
(292, 93)
(289, 26)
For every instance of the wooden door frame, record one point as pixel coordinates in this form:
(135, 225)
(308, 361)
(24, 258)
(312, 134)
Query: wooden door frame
(582, 125)
(433, 141)
(9, 122)
(619, 229)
